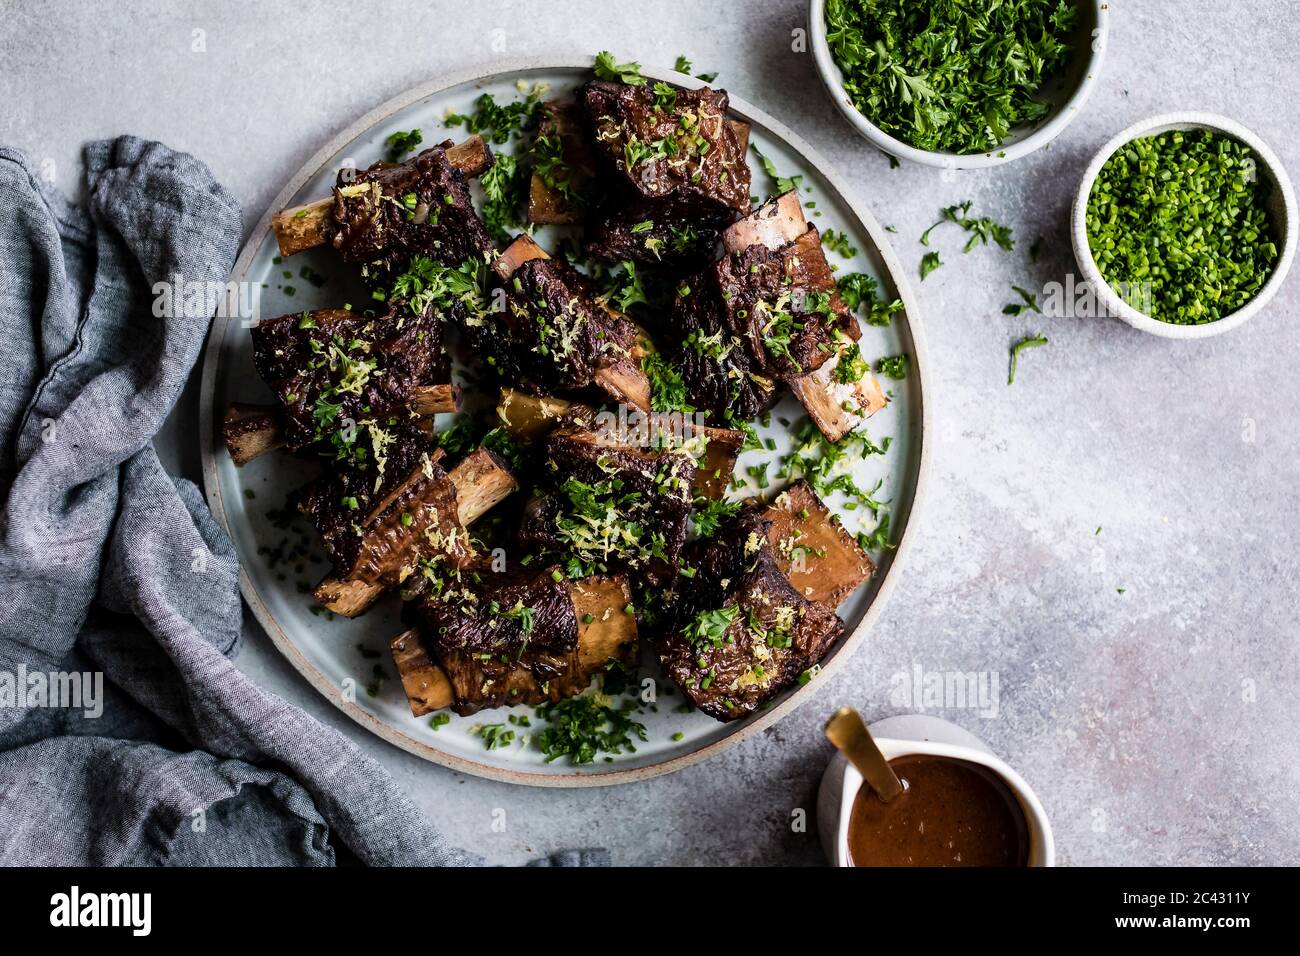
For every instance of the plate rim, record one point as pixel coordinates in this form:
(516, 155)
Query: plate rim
(212, 356)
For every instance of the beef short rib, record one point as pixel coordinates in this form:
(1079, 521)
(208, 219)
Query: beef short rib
(673, 171)
(390, 213)
(334, 370)
(740, 633)
(607, 507)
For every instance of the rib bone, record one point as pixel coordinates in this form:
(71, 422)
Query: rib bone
(480, 482)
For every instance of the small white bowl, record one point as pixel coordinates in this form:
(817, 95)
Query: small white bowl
(1067, 96)
(910, 734)
(1281, 210)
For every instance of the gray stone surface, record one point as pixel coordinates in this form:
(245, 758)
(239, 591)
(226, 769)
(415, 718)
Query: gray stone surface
(1148, 673)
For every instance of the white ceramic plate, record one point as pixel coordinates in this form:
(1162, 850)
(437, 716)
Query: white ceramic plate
(329, 653)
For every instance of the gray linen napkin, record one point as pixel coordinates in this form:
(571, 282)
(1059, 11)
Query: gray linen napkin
(110, 566)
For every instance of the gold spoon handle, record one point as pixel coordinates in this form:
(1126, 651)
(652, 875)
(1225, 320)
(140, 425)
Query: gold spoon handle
(846, 731)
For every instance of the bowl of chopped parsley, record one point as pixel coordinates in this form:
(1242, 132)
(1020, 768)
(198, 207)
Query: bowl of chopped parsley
(1183, 225)
(957, 84)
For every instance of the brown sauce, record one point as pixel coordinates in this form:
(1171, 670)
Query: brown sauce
(951, 813)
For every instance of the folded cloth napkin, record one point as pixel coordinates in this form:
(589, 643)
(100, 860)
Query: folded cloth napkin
(110, 567)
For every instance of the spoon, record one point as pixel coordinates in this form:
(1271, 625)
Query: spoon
(846, 731)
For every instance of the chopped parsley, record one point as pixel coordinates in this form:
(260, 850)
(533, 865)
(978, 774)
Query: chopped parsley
(497, 121)
(1031, 342)
(683, 65)
(950, 75)
(426, 284)
(981, 228)
(709, 627)
(709, 514)
(626, 73)
(826, 465)
(582, 727)
(505, 188)
(783, 183)
(401, 143)
(494, 736)
(1030, 303)
(857, 289)
(667, 388)
(929, 262)
(839, 242)
(893, 366)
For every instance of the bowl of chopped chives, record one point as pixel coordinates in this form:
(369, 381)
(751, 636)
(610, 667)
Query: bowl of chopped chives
(958, 85)
(1184, 225)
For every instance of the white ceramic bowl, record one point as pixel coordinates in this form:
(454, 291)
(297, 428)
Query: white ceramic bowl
(1066, 95)
(922, 734)
(1281, 210)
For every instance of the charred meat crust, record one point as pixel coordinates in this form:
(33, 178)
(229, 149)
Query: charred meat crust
(558, 191)
(757, 317)
(358, 509)
(502, 639)
(389, 213)
(649, 232)
(665, 163)
(474, 646)
(334, 366)
(552, 336)
(822, 561)
(760, 634)
(604, 507)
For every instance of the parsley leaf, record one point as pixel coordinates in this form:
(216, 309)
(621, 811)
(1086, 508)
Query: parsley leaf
(709, 514)
(929, 262)
(783, 183)
(950, 75)
(401, 143)
(1032, 342)
(839, 242)
(626, 73)
(893, 366)
(497, 121)
(1030, 303)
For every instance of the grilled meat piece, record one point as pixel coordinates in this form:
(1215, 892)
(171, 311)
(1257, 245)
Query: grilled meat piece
(332, 367)
(768, 312)
(379, 529)
(650, 232)
(563, 166)
(348, 503)
(721, 375)
(740, 633)
(503, 639)
(673, 170)
(530, 418)
(840, 392)
(251, 430)
(552, 336)
(389, 213)
(311, 225)
(521, 637)
(821, 560)
(604, 506)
